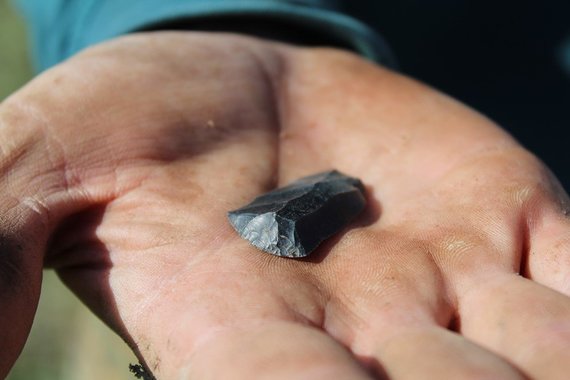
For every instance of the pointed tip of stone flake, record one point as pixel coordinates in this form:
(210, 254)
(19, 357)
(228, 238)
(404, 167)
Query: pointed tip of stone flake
(292, 221)
(267, 232)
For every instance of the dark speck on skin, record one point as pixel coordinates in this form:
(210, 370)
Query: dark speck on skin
(140, 373)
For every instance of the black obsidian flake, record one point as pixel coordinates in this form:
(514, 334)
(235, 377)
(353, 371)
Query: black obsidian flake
(293, 220)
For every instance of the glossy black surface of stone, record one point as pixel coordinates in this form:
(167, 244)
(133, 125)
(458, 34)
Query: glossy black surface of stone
(293, 220)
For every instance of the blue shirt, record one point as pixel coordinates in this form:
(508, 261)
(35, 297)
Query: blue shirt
(60, 28)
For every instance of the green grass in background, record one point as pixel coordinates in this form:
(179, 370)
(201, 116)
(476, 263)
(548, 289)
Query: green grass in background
(14, 64)
(67, 342)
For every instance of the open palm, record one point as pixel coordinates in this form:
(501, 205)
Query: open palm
(120, 165)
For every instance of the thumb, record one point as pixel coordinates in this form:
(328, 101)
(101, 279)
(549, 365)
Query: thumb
(20, 281)
(34, 197)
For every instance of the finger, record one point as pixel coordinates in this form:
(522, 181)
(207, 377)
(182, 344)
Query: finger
(432, 352)
(527, 323)
(394, 311)
(272, 350)
(548, 251)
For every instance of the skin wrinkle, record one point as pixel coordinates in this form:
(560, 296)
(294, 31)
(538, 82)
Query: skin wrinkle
(361, 317)
(221, 342)
(170, 284)
(478, 158)
(15, 150)
(531, 200)
(216, 326)
(55, 156)
(40, 208)
(66, 183)
(446, 304)
(440, 255)
(272, 73)
(11, 155)
(286, 90)
(307, 305)
(20, 210)
(218, 129)
(499, 235)
(205, 338)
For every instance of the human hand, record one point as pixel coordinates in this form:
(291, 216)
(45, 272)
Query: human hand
(118, 168)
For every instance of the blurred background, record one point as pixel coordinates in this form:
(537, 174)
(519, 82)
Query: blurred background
(510, 60)
(67, 342)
